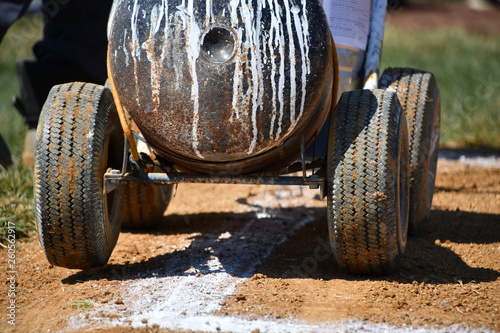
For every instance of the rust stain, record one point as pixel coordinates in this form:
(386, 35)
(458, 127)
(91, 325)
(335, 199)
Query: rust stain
(379, 196)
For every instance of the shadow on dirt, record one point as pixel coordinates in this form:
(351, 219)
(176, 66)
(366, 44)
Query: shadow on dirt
(237, 243)
(219, 243)
(430, 257)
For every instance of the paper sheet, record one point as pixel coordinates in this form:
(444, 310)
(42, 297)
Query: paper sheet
(349, 21)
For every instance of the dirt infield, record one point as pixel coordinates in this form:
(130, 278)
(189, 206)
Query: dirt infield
(256, 259)
(450, 274)
(260, 253)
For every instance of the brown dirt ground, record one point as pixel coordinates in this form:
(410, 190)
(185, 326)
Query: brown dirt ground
(449, 274)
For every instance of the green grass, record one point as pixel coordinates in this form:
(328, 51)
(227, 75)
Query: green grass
(16, 184)
(16, 201)
(16, 45)
(467, 69)
(82, 304)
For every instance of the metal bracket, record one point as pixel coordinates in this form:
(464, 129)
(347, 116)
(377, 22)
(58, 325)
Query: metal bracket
(114, 178)
(303, 157)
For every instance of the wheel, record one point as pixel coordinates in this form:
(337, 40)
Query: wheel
(78, 138)
(419, 95)
(144, 204)
(368, 182)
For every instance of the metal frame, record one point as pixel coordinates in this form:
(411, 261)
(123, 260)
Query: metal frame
(113, 178)
(375, 41)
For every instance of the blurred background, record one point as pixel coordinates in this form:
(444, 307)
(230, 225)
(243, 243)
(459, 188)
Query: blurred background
(459, 41)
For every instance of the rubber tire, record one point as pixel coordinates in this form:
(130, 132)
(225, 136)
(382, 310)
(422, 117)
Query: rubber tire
(368, 182)
(144, 204)
(419, 95)
(78, 138)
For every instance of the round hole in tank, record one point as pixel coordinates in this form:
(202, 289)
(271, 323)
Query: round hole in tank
(218, 45)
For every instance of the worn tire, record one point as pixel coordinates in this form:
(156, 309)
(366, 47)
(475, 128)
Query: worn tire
(419, 96)
(368, 182)
(78, 138)
(144, 204)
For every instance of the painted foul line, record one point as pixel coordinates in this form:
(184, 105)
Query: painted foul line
(481, 160)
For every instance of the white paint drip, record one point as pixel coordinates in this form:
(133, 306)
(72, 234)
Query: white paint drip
(237, 62)
(178, 76)
(252, 45)
(238, 76)
(182, 12)
(302, 30)
(193, 53)
(260, 75)
(156, 18)
(149, 47)
(209, 12)
(124, 48)
(133, 24)
(293, 62)
(193, 34)
(165, 31)
(135, 47)
(275, 33)
(280, 44)
(251, 58)
(254, 40)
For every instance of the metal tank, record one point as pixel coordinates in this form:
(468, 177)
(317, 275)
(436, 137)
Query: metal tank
(224, 86)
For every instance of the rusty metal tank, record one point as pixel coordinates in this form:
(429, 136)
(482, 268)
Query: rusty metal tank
(224, 86)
